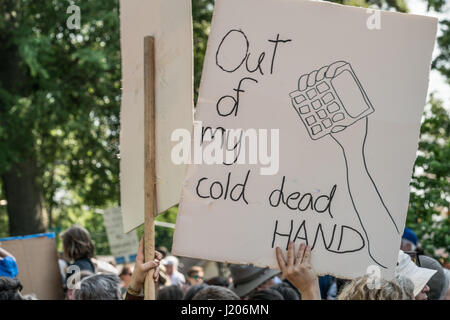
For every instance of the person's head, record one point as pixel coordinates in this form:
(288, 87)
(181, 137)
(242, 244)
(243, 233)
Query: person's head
(98, 287)
(218, 281)
(407, 287)
(418, 275)
(409, 240)
(265, 294)
(192, 291)
(10, 289)
(125, 275)
(163, 250)
(438, 283)
(358, 289)
(83, 274)
(447, 275)
(195, 275)
(286, 291)
(215, 293)
(171, 264)
(8, 267)
(77, 243)
(247, 279)
(423, 294)
(169, 293)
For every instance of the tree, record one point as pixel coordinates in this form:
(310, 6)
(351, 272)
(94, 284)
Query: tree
(59, 107)
(429, 198)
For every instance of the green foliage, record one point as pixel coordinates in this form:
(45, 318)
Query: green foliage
(429, 199)
(68, 113)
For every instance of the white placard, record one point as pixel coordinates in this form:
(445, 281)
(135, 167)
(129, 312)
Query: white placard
(170, 22)
(122, 245)
(345, 88)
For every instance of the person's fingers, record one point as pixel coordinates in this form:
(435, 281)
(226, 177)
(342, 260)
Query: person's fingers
(280, 260)
(321, 73)
(158, 255)
(140, 253)
(156, 274)
(312, 78)
(290, 254)
(300, 254)
(333, 67)
(302, 82)
(149, 265)
(307, 255)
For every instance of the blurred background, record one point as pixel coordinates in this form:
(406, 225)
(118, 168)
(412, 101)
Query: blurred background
(59, 120)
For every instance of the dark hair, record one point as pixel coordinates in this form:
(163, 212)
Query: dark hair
(77, 243)
(218, 281)
(192, 291)
(126, 271)
(163, 250)
(266, 294)
(286, 291)
(170, 293)
(215, 293)
(194, 270)
(98, 287)
(10, 289)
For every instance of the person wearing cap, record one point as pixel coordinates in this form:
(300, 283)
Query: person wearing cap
(248, 279)
(8, 265)
(409, 240)
(438, 283)
(418, 275)
(171, 265)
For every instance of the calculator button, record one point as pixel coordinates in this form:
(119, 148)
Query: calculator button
(310, 120)
(322, 87)
(322, 114)
(316, 104)
(304, 109)
(333, 107)
(328, 97)
(327, 123)
(316, 129)
(338, 117)
(311, 93)
(300, 99)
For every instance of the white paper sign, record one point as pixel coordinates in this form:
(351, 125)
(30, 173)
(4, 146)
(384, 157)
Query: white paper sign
(123, 246)
(170, 22)
(346, 98)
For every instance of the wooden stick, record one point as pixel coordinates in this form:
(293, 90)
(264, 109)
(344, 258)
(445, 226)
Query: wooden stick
(150, 161)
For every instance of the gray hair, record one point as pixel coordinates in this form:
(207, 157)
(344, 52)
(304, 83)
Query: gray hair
(407, 287)
(215, 293)
(99, 287)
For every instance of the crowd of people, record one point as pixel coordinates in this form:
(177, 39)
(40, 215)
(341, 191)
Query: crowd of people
(417, 277)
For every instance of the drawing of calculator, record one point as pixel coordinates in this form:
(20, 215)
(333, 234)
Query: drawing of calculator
(335, 100)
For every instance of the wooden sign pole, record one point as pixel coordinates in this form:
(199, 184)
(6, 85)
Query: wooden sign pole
(150, 161)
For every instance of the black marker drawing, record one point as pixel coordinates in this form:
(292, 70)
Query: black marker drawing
(331, 101)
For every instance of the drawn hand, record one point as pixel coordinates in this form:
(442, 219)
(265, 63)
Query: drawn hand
(310, 79)
(298, 270)
(141, 268)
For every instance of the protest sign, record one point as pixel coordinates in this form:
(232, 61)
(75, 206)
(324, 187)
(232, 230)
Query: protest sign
(169, 21)
(123, 246)
(37, 261)
(328, 106)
